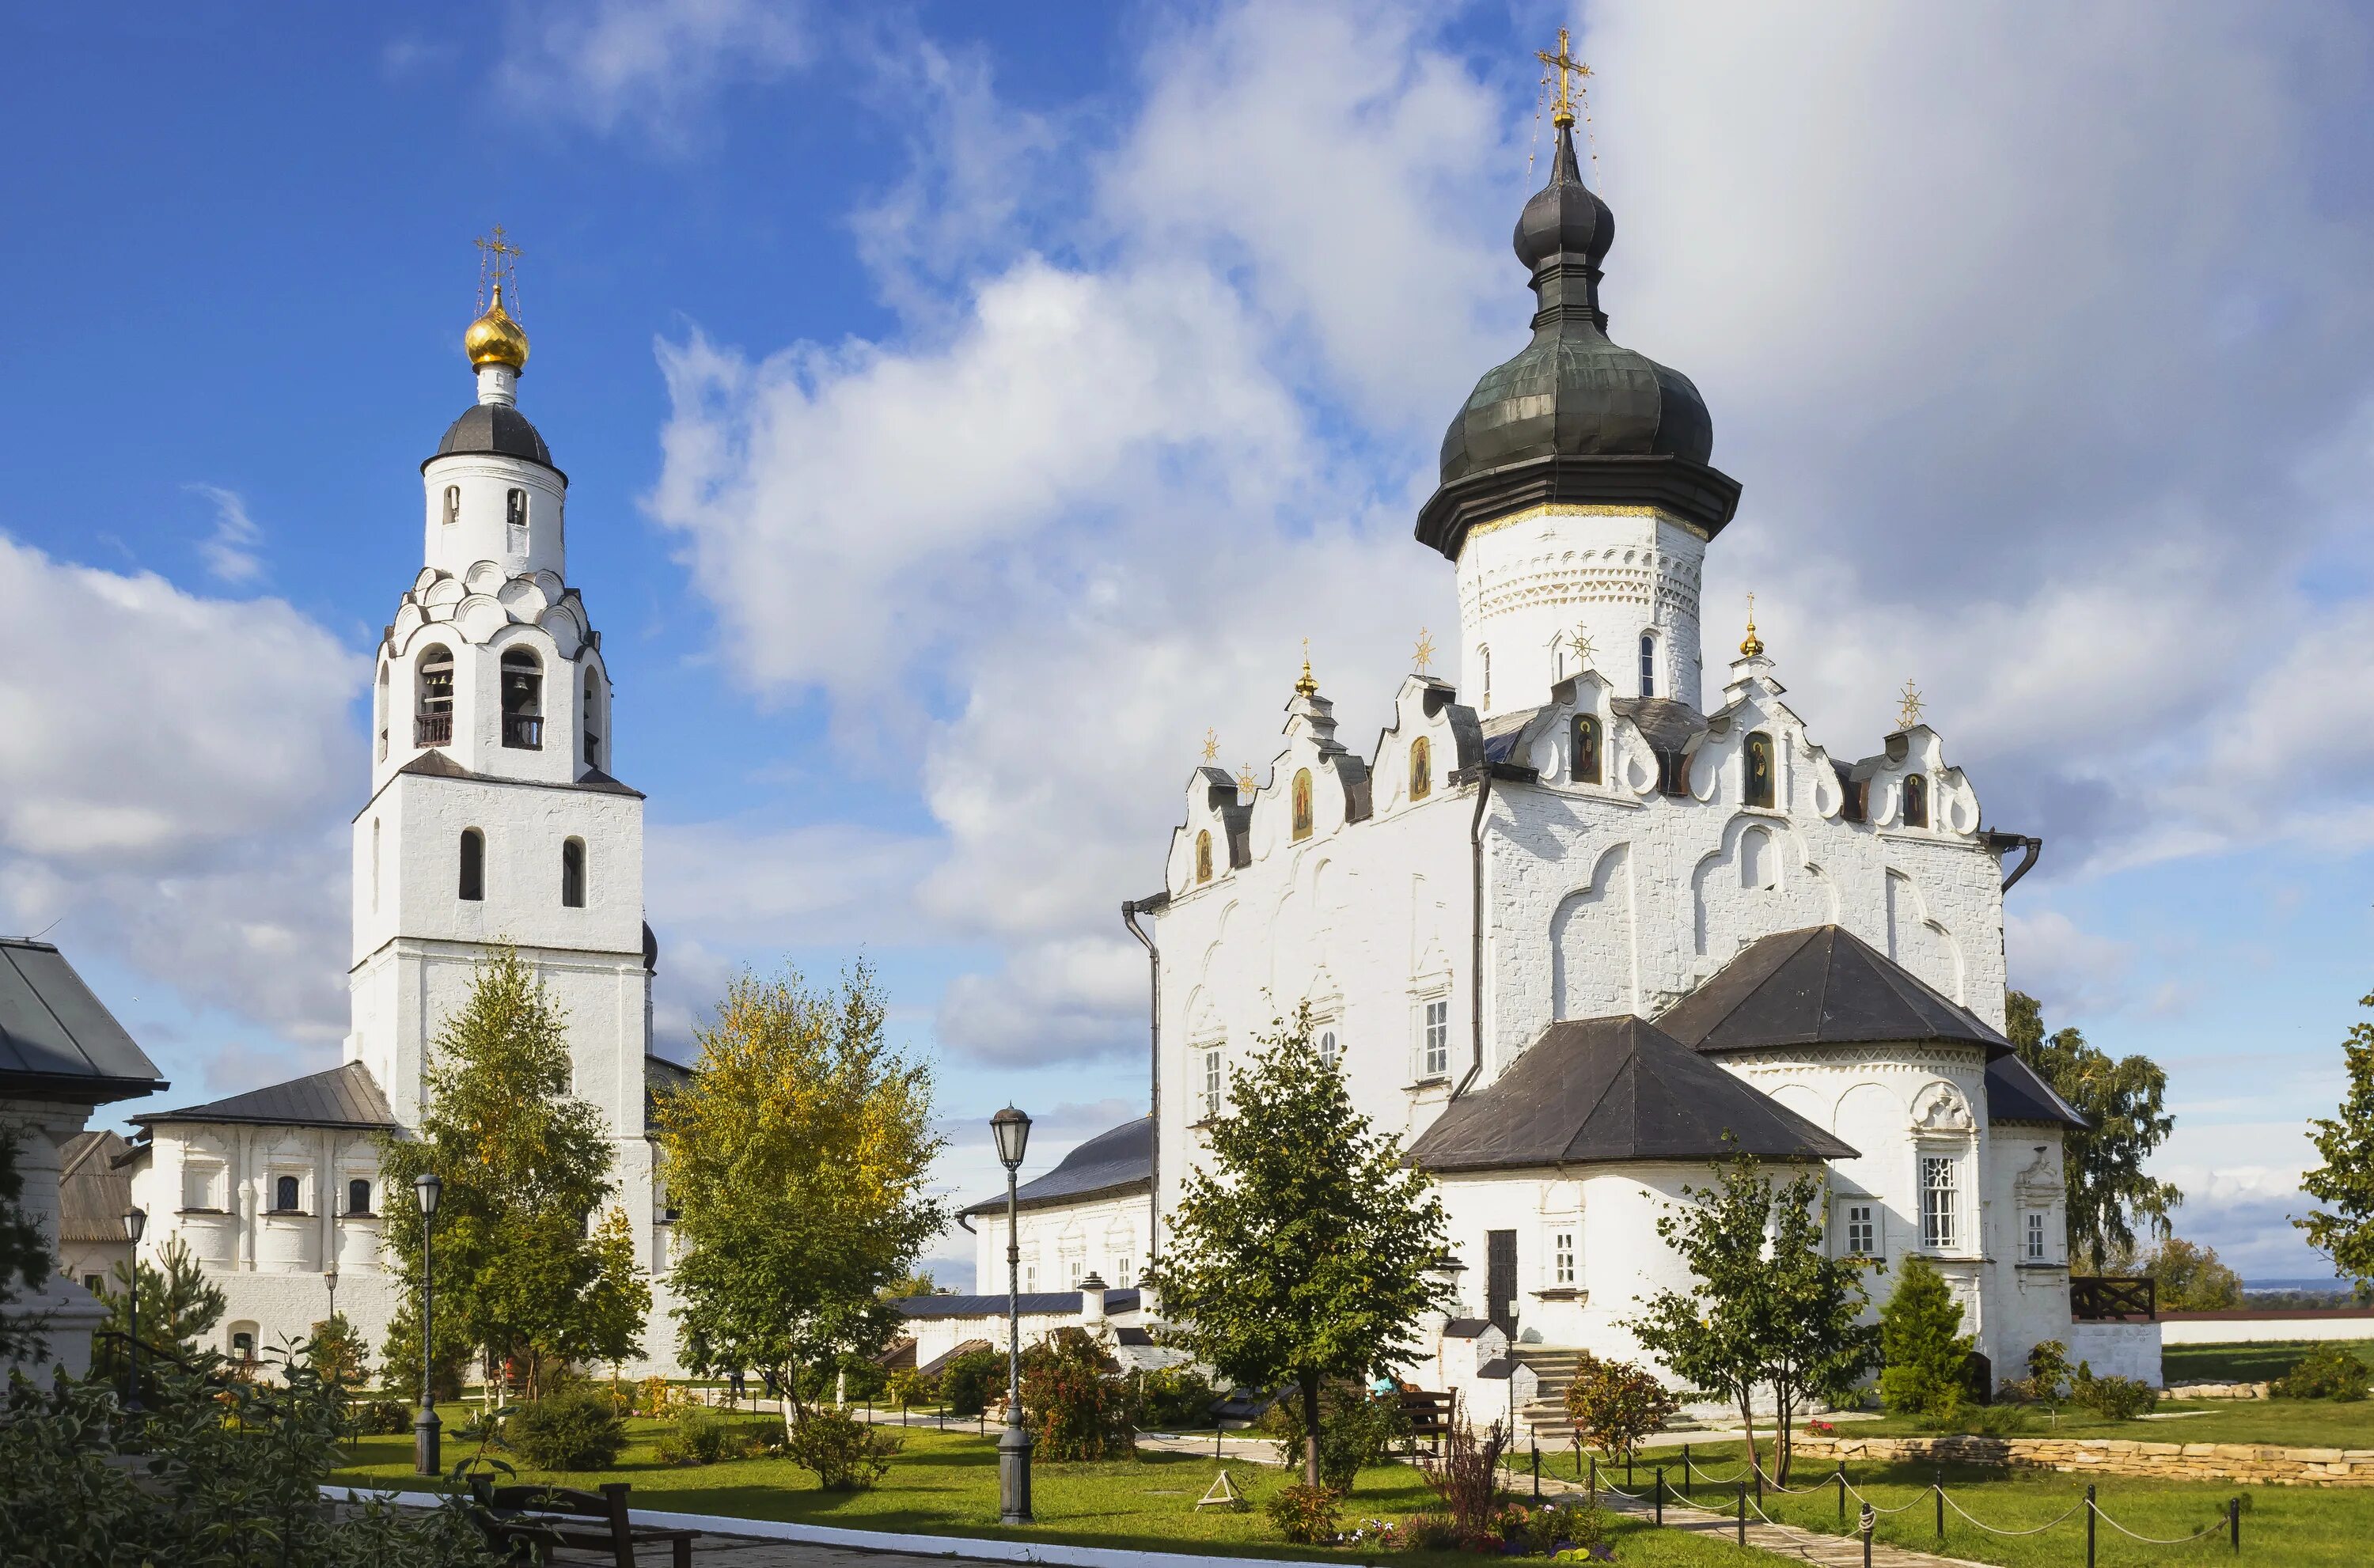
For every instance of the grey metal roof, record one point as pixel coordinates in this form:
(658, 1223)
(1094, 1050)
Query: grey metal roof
(1503, 730)
(343, 1096)
(497, 429)
(1110, 1162)
(1819, 985)
(1601, 1090)
(433, 763)
(58, 1039)
(2016, 1092)
(1039, 1303)
(93, 1192)
(1664, 723)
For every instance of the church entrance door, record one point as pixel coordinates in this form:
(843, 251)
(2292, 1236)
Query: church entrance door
(1500, 1280)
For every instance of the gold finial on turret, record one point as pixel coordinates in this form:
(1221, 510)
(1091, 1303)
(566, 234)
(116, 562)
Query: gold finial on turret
(1908, 713)
(1753, 648)
(1306, 687)
(1422, 656)
(1582, 649)
(1211, 745)
(496, 338)
(1568, 68)
(1245, 785)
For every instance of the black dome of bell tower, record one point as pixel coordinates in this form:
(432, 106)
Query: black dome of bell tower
(1574, 417)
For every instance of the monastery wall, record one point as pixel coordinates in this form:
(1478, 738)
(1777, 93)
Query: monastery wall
(1063, 1244)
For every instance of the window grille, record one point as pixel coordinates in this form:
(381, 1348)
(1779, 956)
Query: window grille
(1562, 1257)
(1437, 1063)
(2036, 1235)
(1214, 1083)
(1863, 1232)
(1940, 1208)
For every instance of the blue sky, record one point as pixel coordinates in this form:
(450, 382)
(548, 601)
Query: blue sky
(965, 406)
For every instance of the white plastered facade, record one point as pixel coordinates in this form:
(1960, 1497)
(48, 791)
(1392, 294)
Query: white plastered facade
(559, 877)
(1063, 1244)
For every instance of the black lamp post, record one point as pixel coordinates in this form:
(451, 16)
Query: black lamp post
(426, 1438)
(1013, 1132)
(135, 1222)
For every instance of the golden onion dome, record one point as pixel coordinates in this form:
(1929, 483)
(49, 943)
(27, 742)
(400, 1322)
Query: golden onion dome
(496, 339)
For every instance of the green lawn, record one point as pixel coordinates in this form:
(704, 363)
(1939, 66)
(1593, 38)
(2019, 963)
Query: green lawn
(947, 1484)
(2296, 1423)
(2262, 1362)
(2297, 1526)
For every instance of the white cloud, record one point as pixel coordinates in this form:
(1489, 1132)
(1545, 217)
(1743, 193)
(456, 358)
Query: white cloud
(172, 793)
(654, 64)
(230, 550)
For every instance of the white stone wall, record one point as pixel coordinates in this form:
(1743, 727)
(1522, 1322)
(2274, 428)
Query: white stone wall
(2272, 1328)
(69, 1313)
(1063, 1244)
(2118, 1350)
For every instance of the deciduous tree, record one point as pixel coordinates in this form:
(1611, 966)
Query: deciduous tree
(2185, 1278)
(798, 1159)
(1304, 1250)
(2107, 1191)
(2341, 1226)
(529, 1266)
(1769, 1307)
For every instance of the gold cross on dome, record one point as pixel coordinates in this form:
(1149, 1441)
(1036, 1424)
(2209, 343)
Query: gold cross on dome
(1245, 785)
(1582, 649)
(498, 266)
(1211, 745)
(1423, 654)
(1568, 69)
(1909, 713)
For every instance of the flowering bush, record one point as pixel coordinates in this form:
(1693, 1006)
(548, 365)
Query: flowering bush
(1420, 1532)
(1306, 1515)
(1545, 1528)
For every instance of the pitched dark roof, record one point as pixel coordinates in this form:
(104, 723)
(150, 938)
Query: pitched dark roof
(493, 427)
(92, 1192)
(1110, 1162)
(1663, 723)
(343, 1096)
(2016, 1093)
(1038, 1303)
(58, 1039)
(939, 1363)
(1598, 1090)
(1818, 986)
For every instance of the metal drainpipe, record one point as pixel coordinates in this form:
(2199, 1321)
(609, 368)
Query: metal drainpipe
(1475, 1006)
(1153, 1097)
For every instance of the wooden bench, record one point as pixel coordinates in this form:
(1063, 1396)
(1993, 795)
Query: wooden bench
(1429, 1413)
(546, 1518)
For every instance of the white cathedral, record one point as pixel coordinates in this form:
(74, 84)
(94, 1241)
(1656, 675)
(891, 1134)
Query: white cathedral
(1573, 932)
(491, 818)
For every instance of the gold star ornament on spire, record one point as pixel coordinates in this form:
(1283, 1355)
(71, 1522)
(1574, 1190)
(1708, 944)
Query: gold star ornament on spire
(1306, 687)
(1245, 785)
(1211, 745)
(1753, 648)
(1422, 656)
(1908, 713)
(1569, 70)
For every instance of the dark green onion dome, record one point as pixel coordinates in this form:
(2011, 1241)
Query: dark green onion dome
(1574, 417)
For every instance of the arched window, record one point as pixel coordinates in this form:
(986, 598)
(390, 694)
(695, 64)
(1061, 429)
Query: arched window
(523, 700)
(1203, 856)
(1916, 800)
(1648, 664)
(1583, 764)
(572, 874)
(474, 864)
(1484, 659)
(379, 710)
(1330, 1053)
(453, 504)
(283, 1195)
(1301, 802)
(591, 726)
(358, 1196)
(1755, 858)
(432, 716)
(1759, 770)
(1421, 768)
(515, 521)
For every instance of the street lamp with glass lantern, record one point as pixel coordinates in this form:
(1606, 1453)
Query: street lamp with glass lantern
(135, 1222)
(1012, 1130)
(426, 1438)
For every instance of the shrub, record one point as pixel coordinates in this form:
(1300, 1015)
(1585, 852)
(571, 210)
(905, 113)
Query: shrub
(1995, 1421)
(2112, 1398)
(571, 1431)
(971, 1380)
(1175, 1396)
(906, 1388)
(1306, 1515)
(1073, 1391)
(1467, 1477)
(845, 1454)
(382, 1418)
(1614, 1404)
(660, 1400)
(1355, 1430)
(2327, 1373)
(703, 1438)
(1923, 1351)
(1549, 1527)
(1423, 1532)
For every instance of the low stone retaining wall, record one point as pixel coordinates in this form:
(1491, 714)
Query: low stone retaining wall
(2114, 1456)
(2217, 1391)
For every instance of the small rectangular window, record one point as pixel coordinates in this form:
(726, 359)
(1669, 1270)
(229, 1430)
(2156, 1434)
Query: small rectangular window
(2036, 1235)
(453, 504)
(1214, 1083)
(1863, 1232)
(1940, 1205)
(1562, 1257)
(1436, 1062)
(515, 521)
